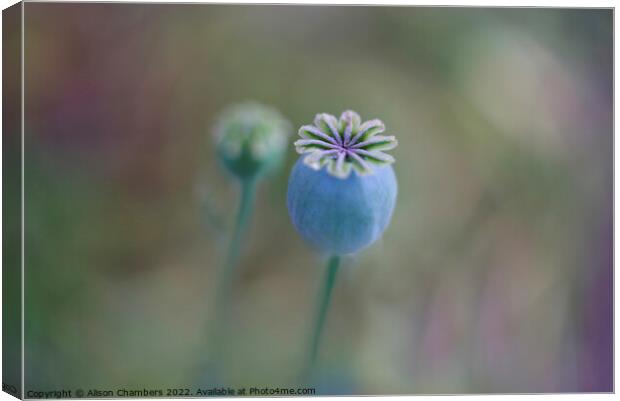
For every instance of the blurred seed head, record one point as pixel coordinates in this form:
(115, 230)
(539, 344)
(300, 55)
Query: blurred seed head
(251, 139)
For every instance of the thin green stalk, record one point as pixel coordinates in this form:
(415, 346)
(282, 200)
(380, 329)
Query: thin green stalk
(228, 269)
(323, 306)
(227, 274)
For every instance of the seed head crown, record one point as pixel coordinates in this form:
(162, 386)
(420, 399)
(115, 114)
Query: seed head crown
(345, 144)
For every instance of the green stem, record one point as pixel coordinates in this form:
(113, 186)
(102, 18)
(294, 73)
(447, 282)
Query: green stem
(323, 306)
(228, 269)
(248, 193)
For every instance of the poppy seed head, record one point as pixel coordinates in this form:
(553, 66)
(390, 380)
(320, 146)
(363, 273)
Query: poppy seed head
(251, 138)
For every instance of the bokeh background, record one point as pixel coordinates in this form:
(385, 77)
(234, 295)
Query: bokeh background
(494, 276)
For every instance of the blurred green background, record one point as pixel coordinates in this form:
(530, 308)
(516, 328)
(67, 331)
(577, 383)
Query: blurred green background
(495, 274)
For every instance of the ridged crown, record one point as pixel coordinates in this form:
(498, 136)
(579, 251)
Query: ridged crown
(345, 144)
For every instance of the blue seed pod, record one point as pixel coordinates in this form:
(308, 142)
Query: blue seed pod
(251, 139)
(347, 205)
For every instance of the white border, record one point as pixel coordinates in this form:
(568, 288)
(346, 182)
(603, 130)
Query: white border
(446, 3)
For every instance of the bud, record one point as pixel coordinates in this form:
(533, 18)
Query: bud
(251, 139)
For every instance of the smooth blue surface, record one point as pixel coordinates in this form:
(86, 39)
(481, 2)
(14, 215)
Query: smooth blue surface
(341, 216)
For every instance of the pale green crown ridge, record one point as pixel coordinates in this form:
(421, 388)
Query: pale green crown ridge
(345, 144)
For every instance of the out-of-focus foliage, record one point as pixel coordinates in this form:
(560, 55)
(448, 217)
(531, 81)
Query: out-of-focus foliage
(494, 276)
